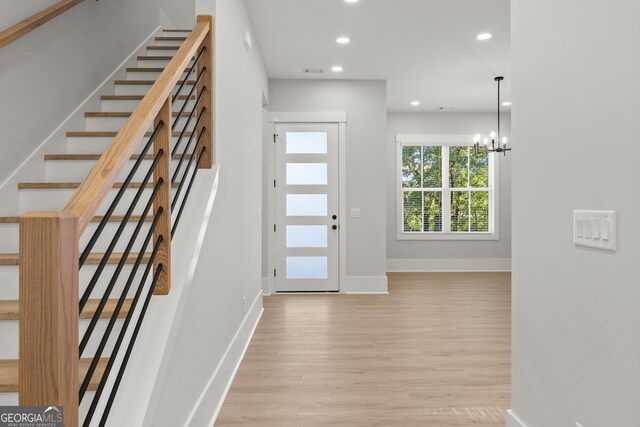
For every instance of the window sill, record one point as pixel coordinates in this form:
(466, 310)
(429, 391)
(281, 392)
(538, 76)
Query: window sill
(448, 236)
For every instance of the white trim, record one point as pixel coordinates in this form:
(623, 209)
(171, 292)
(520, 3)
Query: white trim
(448, 264)
(513, 420)
(316, 117)
(342, 203)
(365, 285)
(212, 397)
(109, 79)
(442, 140)
(268, 285)
(308, 117)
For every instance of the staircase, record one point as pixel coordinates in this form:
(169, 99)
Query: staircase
(64, 174)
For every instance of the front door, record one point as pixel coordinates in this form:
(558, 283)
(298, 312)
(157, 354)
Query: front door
(307, 224)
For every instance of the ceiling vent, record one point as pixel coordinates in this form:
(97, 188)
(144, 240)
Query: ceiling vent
(313, 70)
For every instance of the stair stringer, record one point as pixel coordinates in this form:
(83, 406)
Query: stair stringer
(142, 381)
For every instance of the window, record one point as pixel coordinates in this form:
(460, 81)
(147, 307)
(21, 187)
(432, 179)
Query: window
(446, 189)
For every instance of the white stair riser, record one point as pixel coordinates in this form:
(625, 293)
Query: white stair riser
(9, 279)
(143, 89)
(155, 63)
(96, 145)
(54, 199)
(9, 238)
(9, 334)
(116, 123)
(77, 170)
(109, 106)
(169, 42)
(169, 51)
(149, 75)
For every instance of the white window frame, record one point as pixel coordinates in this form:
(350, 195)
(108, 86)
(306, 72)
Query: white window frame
(447, 141)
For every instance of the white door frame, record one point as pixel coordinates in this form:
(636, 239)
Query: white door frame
(339, 118)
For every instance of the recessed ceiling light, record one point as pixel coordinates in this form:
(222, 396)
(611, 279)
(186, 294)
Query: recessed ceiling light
(484, 36)
(507, 103)
(343, 40)
(352, 1)
(336, 69)
(415, 103)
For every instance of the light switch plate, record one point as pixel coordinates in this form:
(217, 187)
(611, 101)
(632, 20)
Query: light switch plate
(595, 229)
(355, 212)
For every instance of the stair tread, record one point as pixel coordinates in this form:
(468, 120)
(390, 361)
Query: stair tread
(163, 47)
(146, 82)
(9, 374)
(93, 259)
(97, 218)
(134, 97)
(155, 58)
(124, 114)
(10, 309)
(67, 185)
(168, 30)
(92, 157)
(170, 38)
(108, 134)
(148, 70)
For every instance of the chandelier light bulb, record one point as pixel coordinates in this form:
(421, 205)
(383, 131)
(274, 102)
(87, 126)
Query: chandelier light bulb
(486, 141)
(504, 140)
(493, 135)
(476, 138)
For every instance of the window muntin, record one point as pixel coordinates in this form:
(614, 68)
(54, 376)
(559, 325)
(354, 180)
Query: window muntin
(446, 190)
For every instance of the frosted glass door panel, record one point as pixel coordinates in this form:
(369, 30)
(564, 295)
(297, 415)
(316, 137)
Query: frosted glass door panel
(309, 267)
(306, 205)
(307, 236)
(306, 143)
(306, 174)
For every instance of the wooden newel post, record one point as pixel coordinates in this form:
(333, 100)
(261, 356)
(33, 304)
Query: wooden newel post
(49, 312)
(207, 100)
(162, 200)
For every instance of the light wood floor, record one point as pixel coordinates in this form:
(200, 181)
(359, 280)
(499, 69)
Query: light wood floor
(434, 352)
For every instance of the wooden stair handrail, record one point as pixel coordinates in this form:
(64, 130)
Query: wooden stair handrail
(89, 196)
(49, 241)
(18, 30)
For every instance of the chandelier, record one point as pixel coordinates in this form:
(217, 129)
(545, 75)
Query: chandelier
(498, 145)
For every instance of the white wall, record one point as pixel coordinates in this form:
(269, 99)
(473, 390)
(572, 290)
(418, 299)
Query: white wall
(48, 72)
(364, 101)
(227, 280)
(444, 255)
(576, 312)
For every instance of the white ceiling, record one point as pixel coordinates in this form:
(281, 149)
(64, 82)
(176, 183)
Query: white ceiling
(425, 49)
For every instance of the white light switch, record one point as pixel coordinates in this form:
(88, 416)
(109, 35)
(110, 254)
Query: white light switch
(355, 212)
(595, 229)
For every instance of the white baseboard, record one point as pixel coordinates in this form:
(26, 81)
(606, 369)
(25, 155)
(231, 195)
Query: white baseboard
(448, 264)
(209, 404)
(268, 285)
(513, 420)
(365, 285)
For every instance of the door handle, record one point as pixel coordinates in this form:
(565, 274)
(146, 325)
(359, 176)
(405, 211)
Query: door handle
(334, 227)
(334, 217)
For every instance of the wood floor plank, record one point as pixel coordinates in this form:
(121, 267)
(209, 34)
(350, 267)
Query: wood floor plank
(434, 352)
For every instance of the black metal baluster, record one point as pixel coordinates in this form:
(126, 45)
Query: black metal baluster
(193, 66)
(121, 335)
(186, 149)
(176, 196)
(116, 200)
(114, 241)
(186, 195)
(105, 337)
(186, 125)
